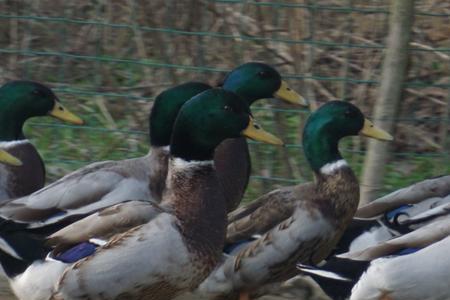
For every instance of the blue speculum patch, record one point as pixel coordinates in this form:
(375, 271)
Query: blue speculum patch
(76, 253)
(407, 251)
(391, 215)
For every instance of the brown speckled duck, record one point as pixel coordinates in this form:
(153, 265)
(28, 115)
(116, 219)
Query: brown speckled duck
(19, 101)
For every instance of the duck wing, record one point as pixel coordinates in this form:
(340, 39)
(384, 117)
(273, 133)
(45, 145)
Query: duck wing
(84, 191)
(265, 212)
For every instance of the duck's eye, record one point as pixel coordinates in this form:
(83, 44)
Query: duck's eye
(228, 108)
(350, 113)
(263, 74)
(38, 93)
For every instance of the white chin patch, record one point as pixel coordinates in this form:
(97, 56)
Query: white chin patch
(332, 167)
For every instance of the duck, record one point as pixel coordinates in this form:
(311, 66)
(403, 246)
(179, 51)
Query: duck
(315, 219)
(103, 184)
(382, 271)
(253, 81)
(171, 253)
(397, 213)
(391, 278)
(19, 101)
(412, 206)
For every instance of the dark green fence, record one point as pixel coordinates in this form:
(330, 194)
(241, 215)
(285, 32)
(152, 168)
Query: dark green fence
(108, 59)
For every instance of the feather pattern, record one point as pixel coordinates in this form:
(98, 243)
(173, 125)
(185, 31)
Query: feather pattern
(397, 213)
(321, 213)
(392, 277)
(92, 188)
(105, 223)
(264, 213)
(436, 187)
(419, 238)
(122, 268)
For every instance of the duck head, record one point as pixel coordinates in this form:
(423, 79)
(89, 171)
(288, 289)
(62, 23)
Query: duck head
(21, 100)
(253, 81)
(165, 110)
(331, 122)
(209, 118)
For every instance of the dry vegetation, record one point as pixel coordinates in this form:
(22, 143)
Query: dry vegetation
(109, 58)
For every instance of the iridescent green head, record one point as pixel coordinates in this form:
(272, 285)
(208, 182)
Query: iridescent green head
(253, 81)
(21, 100)
(208, 119)
(165, 110)
(327, 125)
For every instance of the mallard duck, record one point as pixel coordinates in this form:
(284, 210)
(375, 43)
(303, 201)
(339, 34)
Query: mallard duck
(397, 213)
(420, 275)
(317, 214)
(252, 81)
(102, 184)
(383, 271)
(107, 183)
(171, 253)
(19, 101)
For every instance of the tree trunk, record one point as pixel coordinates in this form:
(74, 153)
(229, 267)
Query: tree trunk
(386, 107)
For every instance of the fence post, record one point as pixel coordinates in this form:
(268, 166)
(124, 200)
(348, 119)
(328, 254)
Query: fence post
(386, 106)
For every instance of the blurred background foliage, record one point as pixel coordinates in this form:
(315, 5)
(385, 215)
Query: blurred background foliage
(107, 60)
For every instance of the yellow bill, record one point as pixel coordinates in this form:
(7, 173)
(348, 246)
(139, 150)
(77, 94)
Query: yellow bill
(255, 132)
(372, 131)
(61, 113)
(8, 159)
(287, 94)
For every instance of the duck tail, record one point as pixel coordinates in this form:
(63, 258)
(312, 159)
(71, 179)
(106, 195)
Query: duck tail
(19, 248)
(337, 276)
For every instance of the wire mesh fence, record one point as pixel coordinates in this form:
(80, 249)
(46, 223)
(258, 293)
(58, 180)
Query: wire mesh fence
(107, 60)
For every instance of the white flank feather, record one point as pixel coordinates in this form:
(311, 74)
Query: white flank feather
(322, 273)
(421, 275)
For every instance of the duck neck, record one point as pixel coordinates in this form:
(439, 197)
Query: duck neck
(13, 114)
(157, 165)
(335, 181)
(188, 148)
(11, 126)
(321, 151)
(194, 193)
